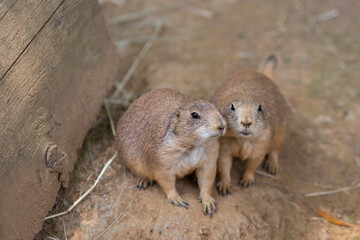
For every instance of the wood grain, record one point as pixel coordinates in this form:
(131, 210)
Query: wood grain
(60, 66)
(21, 23)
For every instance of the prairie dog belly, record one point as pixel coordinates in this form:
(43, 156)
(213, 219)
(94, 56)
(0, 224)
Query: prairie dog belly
(247, 149)
(181, 160)
(189, 161)
(252, 148)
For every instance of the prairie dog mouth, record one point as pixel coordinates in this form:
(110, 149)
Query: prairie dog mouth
(245, 134)
(219, 133)
(216, 134)
(222, 132)
(211, 134)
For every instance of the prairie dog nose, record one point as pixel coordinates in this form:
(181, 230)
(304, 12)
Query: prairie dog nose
(222, 127)
(246, 121)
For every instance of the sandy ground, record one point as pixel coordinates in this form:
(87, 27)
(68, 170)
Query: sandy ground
(317, 74)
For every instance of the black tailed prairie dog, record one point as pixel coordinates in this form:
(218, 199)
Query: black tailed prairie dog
(166, 135)
(255, 112)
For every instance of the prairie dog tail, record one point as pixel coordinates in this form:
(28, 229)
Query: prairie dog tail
(269, 65)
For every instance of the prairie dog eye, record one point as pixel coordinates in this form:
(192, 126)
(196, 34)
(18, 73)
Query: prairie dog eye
(260, 108)
(195, 115)
(232, 107)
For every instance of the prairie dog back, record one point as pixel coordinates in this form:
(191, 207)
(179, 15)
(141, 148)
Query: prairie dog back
(143, 127)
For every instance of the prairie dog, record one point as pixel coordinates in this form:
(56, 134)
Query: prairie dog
(166, 135)
(255, 112)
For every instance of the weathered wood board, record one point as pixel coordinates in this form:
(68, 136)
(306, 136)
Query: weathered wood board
(57, 62)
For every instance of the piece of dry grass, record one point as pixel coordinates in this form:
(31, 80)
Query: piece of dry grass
(120, 44)
(265, 174)
(313, 22)
(64, 230)
(323, 17)
(111, 119)
(120, 86)
(314, 194)
(145, 12)
(118, 218)
(81, 192)
(118, 102)
(118, 3)
(281, 26)
(52, 238)
(86, 193)
(198, 11)
(283, 197)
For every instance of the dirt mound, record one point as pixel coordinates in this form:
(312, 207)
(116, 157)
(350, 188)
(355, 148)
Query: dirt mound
(318, 76)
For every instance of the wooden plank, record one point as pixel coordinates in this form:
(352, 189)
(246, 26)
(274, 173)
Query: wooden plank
(40, 61)
(20, 25)
(51, 94)
(5, 6)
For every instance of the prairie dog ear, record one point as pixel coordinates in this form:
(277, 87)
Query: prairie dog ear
(269, 65)
(178, 113)
(174, 122)
(176, 117)
(266, 113)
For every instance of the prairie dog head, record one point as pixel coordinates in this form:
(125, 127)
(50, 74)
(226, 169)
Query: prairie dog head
(200, 120)
(246, 118)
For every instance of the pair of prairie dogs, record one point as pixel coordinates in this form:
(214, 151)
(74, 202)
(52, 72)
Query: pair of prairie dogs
(166, 135)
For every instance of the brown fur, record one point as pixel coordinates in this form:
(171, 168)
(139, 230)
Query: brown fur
(247, 90)
(158, 139)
